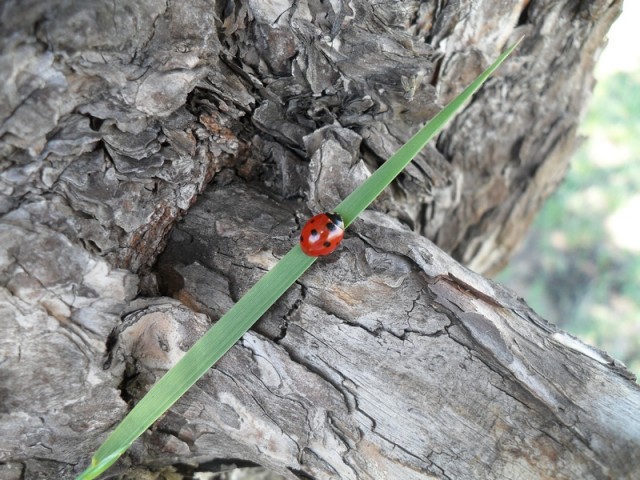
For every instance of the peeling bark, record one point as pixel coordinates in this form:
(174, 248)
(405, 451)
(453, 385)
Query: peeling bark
(387, 360)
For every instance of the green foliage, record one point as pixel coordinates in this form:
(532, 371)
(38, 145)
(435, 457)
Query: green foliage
(577, 269)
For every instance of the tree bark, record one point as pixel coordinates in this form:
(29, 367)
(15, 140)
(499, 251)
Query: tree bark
(388, 359)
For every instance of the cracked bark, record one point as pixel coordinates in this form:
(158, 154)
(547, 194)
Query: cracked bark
(388, 359)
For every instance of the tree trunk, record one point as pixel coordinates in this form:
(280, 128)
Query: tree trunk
(388, 359)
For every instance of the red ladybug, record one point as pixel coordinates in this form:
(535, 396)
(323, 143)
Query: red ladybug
(322, 234)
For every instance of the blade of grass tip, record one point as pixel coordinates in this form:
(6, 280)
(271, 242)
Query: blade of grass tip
(200, 357)
(237, 321)
(94, 470)
(361, 198)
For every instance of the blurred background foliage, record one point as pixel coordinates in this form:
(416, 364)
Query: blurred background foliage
(580, 265)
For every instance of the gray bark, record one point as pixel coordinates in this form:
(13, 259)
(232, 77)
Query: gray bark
(388, 359)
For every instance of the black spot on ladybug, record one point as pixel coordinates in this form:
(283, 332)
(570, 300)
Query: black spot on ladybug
(302, 238)
(331, 226)
(327, 244)
(335, 218)
(314, 232)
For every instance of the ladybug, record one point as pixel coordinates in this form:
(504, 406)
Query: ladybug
(322, 234)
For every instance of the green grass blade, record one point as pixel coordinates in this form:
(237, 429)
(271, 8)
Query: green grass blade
(239, 319)
(97, 467)
(200, 357)
(361, 197)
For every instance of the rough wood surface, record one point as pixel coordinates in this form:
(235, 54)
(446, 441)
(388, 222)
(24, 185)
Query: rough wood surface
(388, 360)
(387, 357)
